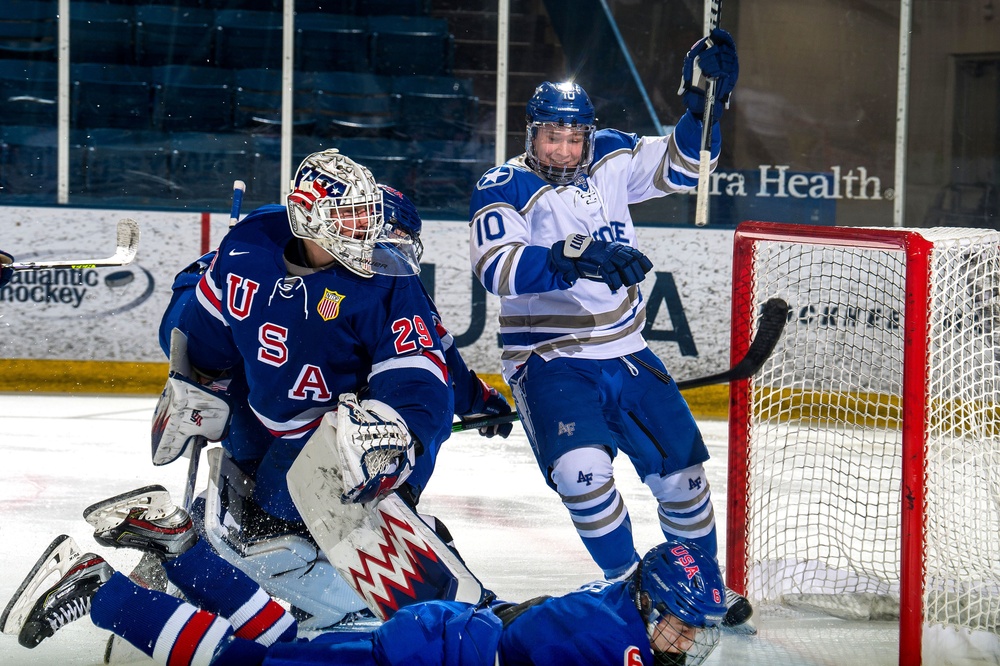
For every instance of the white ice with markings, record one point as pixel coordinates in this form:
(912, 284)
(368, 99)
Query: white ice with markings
(62, 453)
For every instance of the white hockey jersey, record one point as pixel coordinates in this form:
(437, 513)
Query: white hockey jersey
(517, 216)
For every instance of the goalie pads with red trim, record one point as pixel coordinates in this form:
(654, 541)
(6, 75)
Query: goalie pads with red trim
(382, 549)
(376, 448)
(186, 409)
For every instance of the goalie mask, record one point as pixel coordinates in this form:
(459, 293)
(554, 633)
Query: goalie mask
(680, 595)
(335, 202)
(560, 112)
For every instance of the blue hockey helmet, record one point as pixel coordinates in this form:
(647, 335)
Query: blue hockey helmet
(402, 221)
(564, 105)
(680, 594)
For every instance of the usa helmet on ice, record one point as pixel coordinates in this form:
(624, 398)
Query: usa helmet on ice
(680, 594)
(564, 105)
(402, 221)
(335, 202)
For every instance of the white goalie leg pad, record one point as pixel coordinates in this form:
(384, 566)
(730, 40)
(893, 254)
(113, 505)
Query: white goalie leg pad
(289, 567)
(186, 409)
(382, 549)
(375, 446)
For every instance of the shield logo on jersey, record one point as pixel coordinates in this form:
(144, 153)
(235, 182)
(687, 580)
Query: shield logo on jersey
(329, 305)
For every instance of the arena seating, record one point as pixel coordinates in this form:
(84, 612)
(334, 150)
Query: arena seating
(173, 99)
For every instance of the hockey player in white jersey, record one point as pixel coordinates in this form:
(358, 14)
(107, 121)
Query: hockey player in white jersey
(552, 236)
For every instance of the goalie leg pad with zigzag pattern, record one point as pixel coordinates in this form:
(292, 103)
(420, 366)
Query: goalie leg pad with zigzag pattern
(382, 549)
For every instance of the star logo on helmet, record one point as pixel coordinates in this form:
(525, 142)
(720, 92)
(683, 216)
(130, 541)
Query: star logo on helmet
(498, 176)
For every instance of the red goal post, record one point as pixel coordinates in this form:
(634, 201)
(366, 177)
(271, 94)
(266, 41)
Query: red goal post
(864, 461)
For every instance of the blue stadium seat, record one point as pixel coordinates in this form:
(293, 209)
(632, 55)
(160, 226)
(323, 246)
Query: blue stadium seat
(248, 39)
(394, 7)
(128, 167)
(103, 33)
(436, 107)
(28, 29)
(348, 104)
(328, 6)
(448, 170)
(172, 35)
(403, 45)
(29, 166)
(28, 92)
(389, 160)
(110, 96)
(332, 42)
(192, 99)
(257, 103)
(203, 166)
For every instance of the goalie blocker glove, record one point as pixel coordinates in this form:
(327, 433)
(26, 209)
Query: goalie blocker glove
(712, 57)
(614, 264)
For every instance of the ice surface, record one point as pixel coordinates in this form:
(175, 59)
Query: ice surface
(59, 454)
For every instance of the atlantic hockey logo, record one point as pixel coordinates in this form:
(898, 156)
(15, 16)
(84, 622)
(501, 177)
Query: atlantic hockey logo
(408, 570)
(76, 293)
(329, 305)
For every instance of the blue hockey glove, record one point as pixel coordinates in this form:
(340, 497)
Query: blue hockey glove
(711, 57)
(614, 264)
(489, 402)
(6, 272)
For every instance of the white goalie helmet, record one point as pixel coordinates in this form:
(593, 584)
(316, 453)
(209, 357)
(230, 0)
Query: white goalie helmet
(336, 203)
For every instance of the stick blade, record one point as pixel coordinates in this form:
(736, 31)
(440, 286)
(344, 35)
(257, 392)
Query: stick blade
(128, 240)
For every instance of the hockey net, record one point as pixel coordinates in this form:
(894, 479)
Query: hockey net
(865, 456)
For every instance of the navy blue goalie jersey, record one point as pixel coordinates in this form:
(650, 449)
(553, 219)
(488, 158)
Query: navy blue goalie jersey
(306, 336)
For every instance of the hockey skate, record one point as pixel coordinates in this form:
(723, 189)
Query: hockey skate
(35, 615)
(144, 519)
(738, 616)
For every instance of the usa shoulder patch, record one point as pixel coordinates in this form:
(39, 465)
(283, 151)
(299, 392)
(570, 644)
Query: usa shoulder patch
(329, 305)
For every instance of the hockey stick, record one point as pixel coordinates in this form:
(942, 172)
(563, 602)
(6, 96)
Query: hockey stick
(773, 316)
(128, 244)
(239, 187)
(705, 156)
(198, 443)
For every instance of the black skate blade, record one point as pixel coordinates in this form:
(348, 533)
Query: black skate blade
(57, 559)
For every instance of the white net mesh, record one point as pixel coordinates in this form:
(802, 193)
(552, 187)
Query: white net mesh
(825, 425)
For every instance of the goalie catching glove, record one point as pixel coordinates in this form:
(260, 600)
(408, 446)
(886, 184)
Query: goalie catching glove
(376, 449)
(614, 264)
(186, 409)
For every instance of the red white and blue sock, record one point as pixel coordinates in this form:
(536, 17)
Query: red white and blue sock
(167, 629)
(212, 583)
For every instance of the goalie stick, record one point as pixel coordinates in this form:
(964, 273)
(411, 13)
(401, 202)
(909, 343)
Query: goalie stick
(128, 244)
(770, 326)
(198, 444)
(705, 156)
